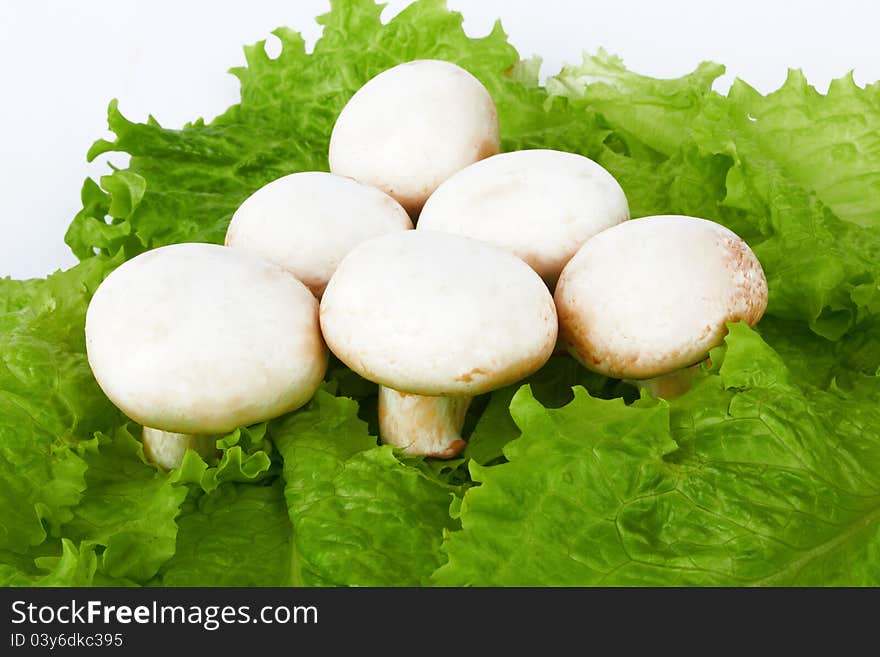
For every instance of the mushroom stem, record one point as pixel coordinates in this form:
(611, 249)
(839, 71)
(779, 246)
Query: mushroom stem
(166, 449)
(667, 386)
(420, 424)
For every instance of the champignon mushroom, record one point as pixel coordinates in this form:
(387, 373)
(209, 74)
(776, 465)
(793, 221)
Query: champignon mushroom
(540, 204)
(435, 319)
(647, 299)
(307, 222)
(411, 127)
(199, 339)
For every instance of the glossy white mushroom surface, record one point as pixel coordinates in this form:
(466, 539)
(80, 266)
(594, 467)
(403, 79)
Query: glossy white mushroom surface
(307, 222)
(542, 205)
(435, 319)
(653, 295)
(201, 339)
(411, 127)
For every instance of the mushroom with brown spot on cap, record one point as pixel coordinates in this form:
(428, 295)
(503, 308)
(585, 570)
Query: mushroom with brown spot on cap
(411, 127)
(435, 319)
(647, 299)
(306, 222)
(195, 340)
(542, 205)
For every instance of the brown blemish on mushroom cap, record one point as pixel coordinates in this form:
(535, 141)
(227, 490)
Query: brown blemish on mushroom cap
(749, 299)
(627, 365)
(592, 352)
(515, 371)
(467, 377)
(475, 381)
(747, 302)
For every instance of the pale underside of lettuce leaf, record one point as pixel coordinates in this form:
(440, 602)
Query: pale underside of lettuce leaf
(765, 474)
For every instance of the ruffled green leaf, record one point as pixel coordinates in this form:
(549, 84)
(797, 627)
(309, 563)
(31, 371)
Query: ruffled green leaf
(722, 486)
(360, 516)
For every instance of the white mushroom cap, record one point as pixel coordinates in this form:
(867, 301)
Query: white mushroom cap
(200, 338)
(307, 222)
(652, 295)
(411, 127)
(437, 314)
(540, 204)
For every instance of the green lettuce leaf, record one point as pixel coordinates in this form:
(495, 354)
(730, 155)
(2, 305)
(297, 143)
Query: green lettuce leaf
(360, 516)
(821, 254)
(128, 508)
(49, 402)
(246, 455)
(653, 112)
(75, 566)
(236, 535)
(826, 143)
(552, 387)
(717, 487)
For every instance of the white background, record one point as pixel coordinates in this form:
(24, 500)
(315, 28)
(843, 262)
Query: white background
(63, 61)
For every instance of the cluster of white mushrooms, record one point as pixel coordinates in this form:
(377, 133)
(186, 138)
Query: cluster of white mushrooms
(194, 340)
